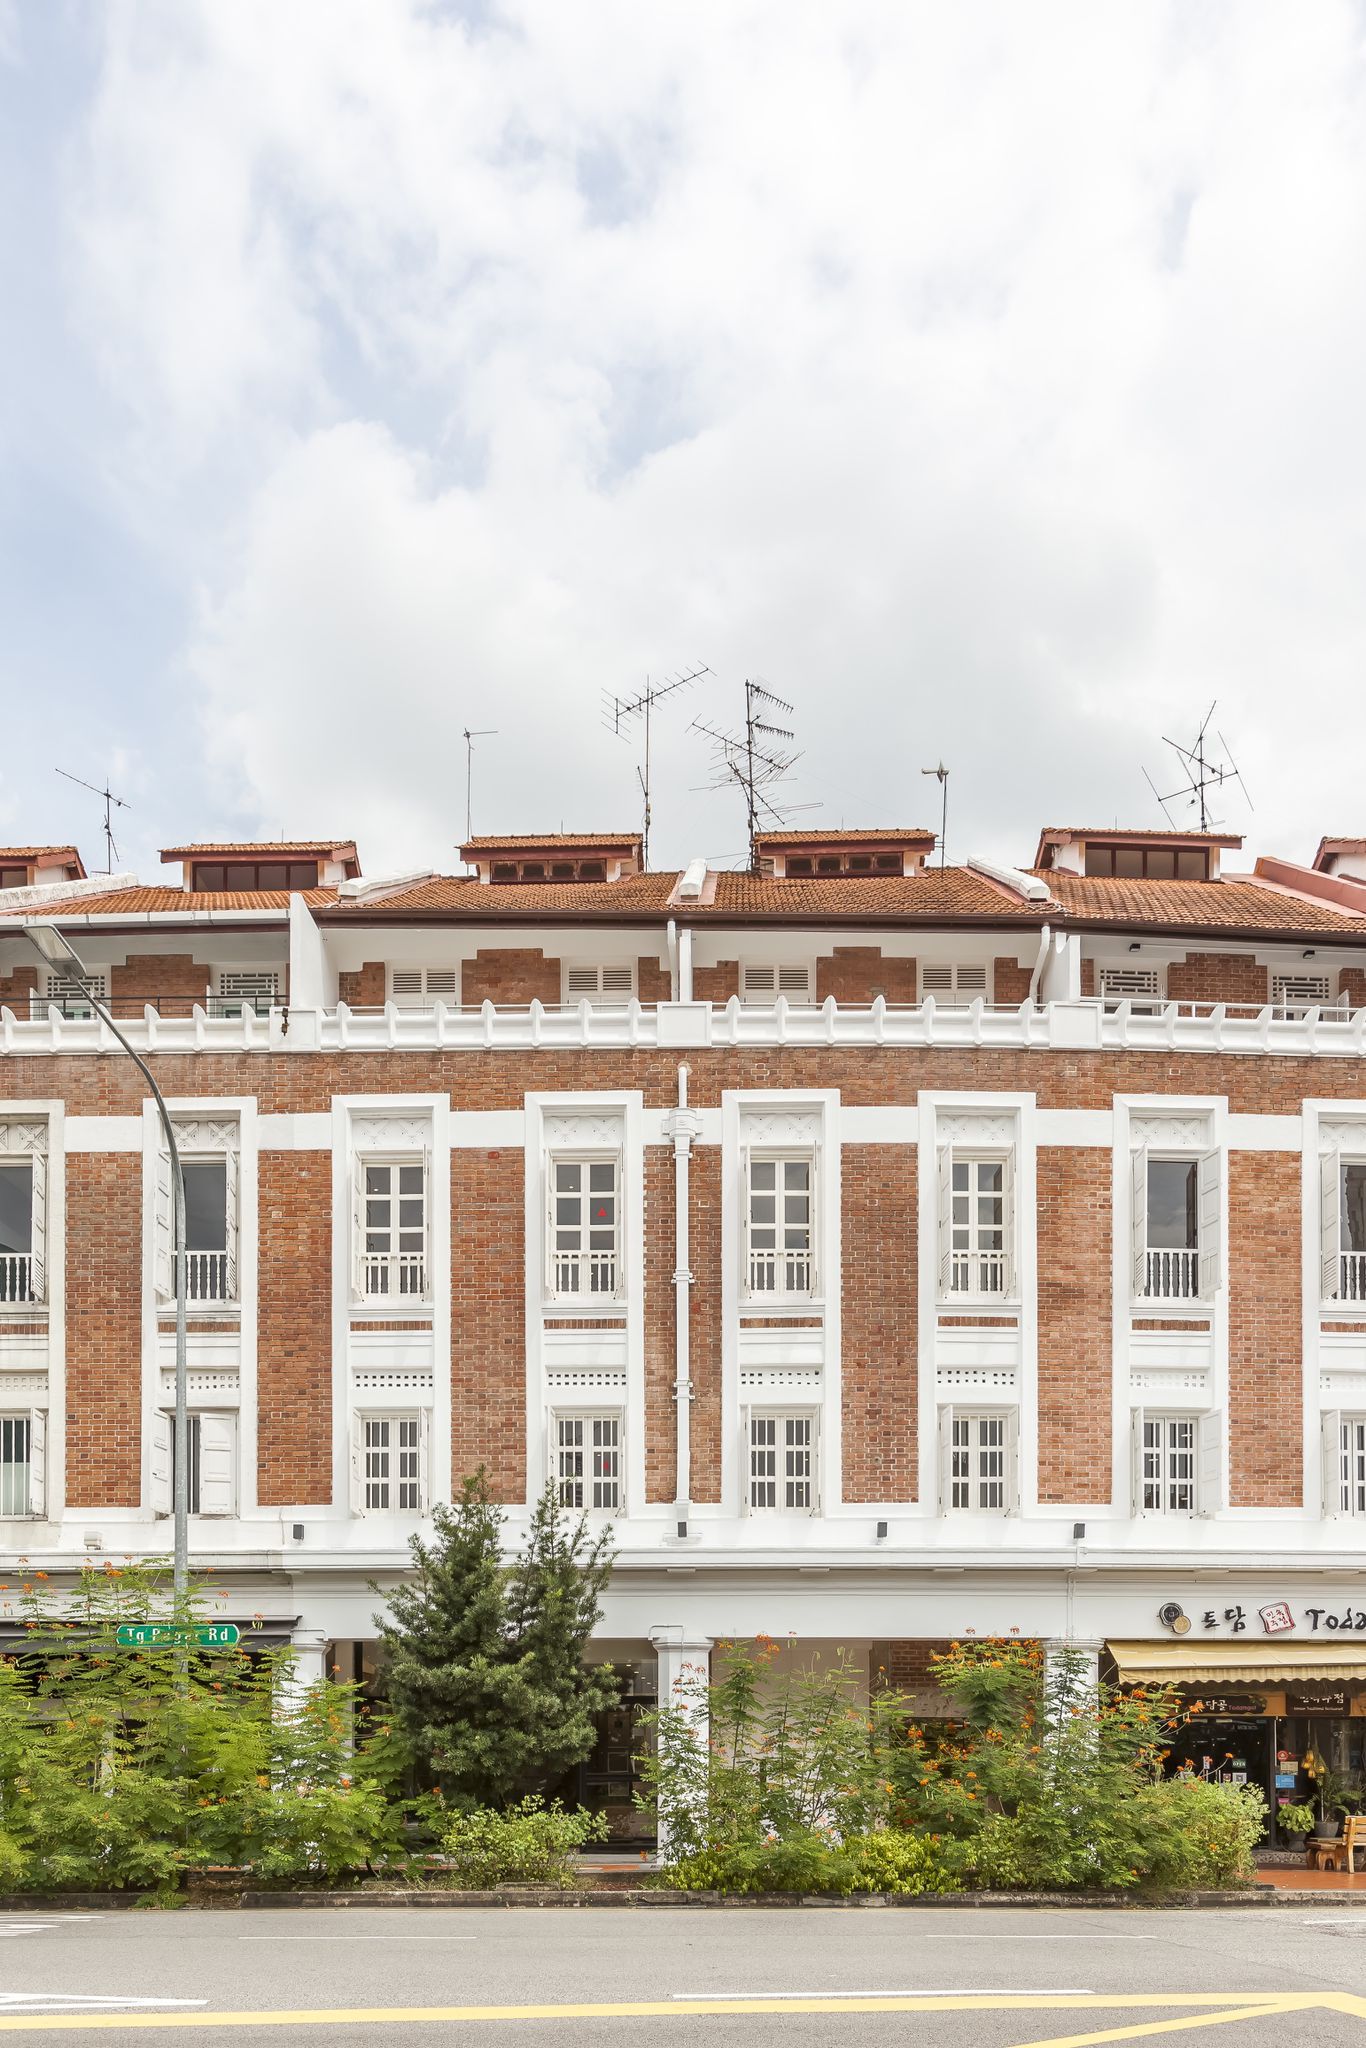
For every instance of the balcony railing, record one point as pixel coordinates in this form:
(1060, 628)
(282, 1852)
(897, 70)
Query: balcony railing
(393, 1276)
(1352, 1281)
(779, 1273)
(21, 1277)
(978, 1273)
(207, 1277)
(575, 1274)
(1172, 1275)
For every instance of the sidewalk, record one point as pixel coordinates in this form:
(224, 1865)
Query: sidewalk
(1297, 1877)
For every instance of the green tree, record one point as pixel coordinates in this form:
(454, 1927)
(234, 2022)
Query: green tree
(485, 1657)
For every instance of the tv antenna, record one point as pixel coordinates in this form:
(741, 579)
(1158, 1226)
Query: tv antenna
(487, 732)
(112, 803)
(618, 711)
(1203, 772)
(755, 760)
(942, 773)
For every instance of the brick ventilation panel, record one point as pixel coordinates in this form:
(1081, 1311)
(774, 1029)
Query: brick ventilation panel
(1074, 1205)
(878, 1188)
(1264, 1331)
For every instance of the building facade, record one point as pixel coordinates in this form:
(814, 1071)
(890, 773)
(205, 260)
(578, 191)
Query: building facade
(891, 1253)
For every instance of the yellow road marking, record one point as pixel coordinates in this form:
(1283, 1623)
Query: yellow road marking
(1231, 2005)
(1145, 2029)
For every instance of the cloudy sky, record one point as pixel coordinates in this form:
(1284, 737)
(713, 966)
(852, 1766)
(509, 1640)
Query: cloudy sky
(988, 379)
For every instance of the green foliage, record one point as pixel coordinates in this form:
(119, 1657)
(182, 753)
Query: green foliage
(810, 1862)
(486, 1674)
(1191, 1833)
(1296, 1818)
(531, 1843)
(119, 1768)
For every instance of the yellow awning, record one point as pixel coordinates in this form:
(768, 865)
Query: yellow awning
(1186, 1663)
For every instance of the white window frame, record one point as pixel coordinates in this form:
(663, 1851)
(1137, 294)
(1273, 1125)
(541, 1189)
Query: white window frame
(603, 1436)
(956, 984)
(961, 1271)
(558, 1264)
(33, 1422)
(763, 981)
(163, 1249)
(1178, 1278)
(783, 1261)
(1343, 1436)
(367, 1265)
(965, 1459)
(1194, 1436)
(367, 1451)
(11, 1280)
(1142, 988)
(603, 985)
(796, 1434)
(422, 988)
(1342, 1272)
(238, 989)
(213, 1475)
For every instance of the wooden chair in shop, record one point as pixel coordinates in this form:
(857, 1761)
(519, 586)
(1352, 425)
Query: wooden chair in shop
(1340, 1853)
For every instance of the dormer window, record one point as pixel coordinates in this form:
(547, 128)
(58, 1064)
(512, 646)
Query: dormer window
(13, 878)
(1148, 863)
(212, 877)
(555, 857)
(799, 854)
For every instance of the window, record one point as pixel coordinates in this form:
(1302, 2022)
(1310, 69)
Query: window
(582, 1231)
(211, 877)
(978, 1455)
(23, 1465)
(1140, 987)
(781, 1462)
(1153, 863)
(390, 1201)
(22, 1181)
(422, 988)
(1343, 1212)
(779, 1223)
(70, 998)
(240, 990)
(587, 1472)
(211, 1472)
(605, 988)
(1176, 1226)
(976, 1223)
(211, 1220)
(1298, 993)
(764, 984)
(1344, 1464)
(13, 878)
(954, 985)
(1177, 1464)
(389, 1464)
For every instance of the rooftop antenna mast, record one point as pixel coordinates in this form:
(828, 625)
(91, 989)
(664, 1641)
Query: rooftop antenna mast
(752, 760)
(487, 732)
(942, 773)
(617, 711)
(111, 804)
(1203, 773)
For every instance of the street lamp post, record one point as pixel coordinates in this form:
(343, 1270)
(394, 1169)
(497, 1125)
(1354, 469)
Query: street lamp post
(48, 941)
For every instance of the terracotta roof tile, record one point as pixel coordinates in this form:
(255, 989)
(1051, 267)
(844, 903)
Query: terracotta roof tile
(138, 902)
(258, 849)
(37, 852)
(496, 842)
(816, 837)
(1232, 905)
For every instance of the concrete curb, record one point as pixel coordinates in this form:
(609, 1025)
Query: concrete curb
(1260, 1898)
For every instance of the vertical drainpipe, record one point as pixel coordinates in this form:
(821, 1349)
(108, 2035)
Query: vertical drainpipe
(675, 984)
(1034, 979)
(682, 1127)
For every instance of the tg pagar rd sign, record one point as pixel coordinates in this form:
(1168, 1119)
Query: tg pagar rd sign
(167, 1635)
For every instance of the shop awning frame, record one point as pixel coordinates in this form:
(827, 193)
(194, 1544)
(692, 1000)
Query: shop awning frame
(1182, 1663)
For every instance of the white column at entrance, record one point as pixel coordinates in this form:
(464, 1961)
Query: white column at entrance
(684, 1662)
(309, 1649)
(1079, 1659)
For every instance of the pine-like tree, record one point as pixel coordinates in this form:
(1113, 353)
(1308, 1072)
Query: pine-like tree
(485, 1657)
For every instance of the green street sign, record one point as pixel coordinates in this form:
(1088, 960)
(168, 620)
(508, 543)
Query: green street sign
(165, 1635)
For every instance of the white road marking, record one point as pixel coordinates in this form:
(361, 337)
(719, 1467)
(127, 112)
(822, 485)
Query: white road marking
(10, 1928)
(74, 2001)
(957, 1991)
(357, 1937)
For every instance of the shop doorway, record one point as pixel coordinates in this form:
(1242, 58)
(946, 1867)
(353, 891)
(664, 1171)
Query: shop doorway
(1228, 1749)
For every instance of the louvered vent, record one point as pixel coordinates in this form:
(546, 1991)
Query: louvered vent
(762, 984)
(72, 997)
(421, 988)
(954, 984)
(1131, 984)
(1299, 992)
(602, 985)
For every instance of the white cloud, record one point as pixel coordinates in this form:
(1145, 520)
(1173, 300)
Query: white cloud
(987, 378)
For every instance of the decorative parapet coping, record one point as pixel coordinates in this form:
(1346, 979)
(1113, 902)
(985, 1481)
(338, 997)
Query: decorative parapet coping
(1081, 1026)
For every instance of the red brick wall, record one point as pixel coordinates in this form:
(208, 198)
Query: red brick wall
(510, 974)
(1010, 981)
(704, 1242)
(488, 1320)
(16, 988)
(103, 1328)
(1352, 985)
(1074, 1203)
(1217, 978)
(1265, 1341)
(1088, 977)
(716, 984)
(855, 974)
(363, 987)
(660, 1438)
(652, 980)
(171, 982)
(878, 1190)
(294, 1355)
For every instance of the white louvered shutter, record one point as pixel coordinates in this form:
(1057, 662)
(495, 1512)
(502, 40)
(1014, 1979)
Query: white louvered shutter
(950, 984)
(1137, 1421)
(1209, 1185)
(1012, 1502)
(405, 987)
(970, 982)
(946, 1420)
(609, 986)
(357, 1227)
(758, 984)
(936, 982)
(1008, 1222)
(357, 1464)
(161, 1463)
(944, 1164)
(217, 1464)
(424, 1460)
(746, 1218)
(617, 984)
(1209, 1443)
(746, 1462)
(38, 1225)
(443, 985)
(1138, 1220)
(426, 1221)
(795, 983)
(816, 1454)
(163, 1226)
(232, 1214)
(1330, 1224)
(37, 1463)
(1330, 1452)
